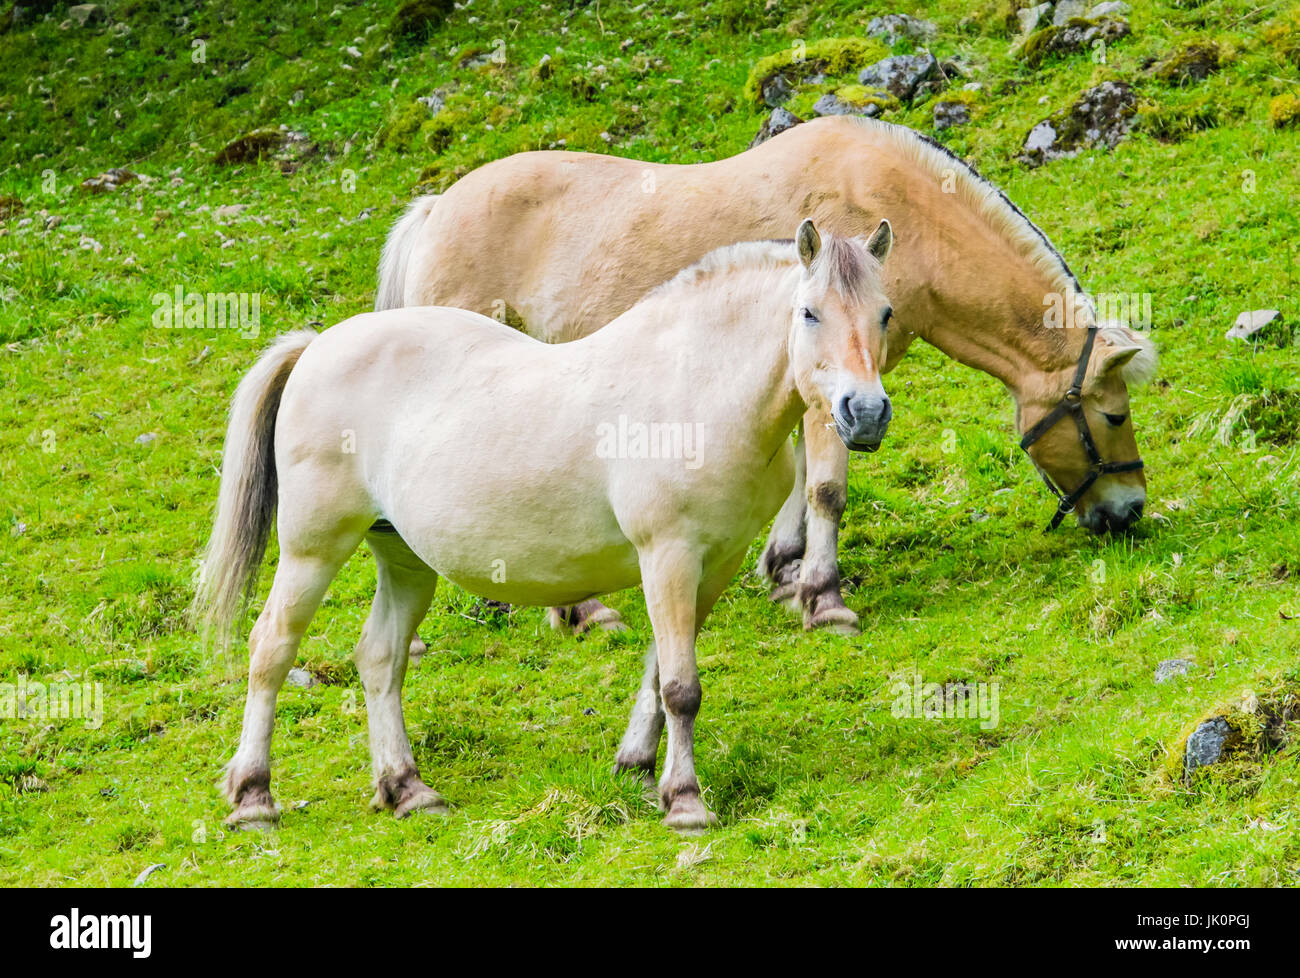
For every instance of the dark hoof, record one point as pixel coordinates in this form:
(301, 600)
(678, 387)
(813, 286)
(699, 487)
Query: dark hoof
(580, 618)
(405, 793)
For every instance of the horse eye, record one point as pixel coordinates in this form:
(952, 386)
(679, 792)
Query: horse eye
(810, 318)
(886, 317)
(1115, 420)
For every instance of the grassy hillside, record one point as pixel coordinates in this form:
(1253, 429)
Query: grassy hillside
(113, 429)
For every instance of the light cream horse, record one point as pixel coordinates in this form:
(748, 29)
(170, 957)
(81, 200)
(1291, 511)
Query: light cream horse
(489, 458)
(578, 238)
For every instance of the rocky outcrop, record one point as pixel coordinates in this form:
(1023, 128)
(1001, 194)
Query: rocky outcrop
(893, 28)
(903, 76)
(1101, 117)
(1192, 61)
(1077, 34)
(778, 122)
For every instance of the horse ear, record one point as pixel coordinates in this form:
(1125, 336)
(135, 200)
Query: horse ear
(881, 241)
(1128, 354)
(1115, 358)
(810, 242)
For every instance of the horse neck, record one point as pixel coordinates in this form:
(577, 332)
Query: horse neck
(989, 314)
(734, 328)
(955, 279)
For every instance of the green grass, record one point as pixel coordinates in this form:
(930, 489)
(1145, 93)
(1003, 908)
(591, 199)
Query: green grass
(815, 780)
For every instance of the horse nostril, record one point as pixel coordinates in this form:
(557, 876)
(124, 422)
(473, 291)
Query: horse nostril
(1135, 512)
(846, 409)
(886, 411)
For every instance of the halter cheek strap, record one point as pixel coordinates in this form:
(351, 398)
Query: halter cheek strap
(1072, 404)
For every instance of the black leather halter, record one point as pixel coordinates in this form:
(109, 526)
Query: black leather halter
(1072, 403)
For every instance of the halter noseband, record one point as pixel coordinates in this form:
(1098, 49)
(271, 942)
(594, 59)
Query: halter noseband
(1072, 403)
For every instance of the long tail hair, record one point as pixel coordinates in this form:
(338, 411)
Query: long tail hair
(246, 502)
(397, 252)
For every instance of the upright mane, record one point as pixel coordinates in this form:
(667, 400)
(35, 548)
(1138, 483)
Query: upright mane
(773, 255)
(983, 198)
(844, 264)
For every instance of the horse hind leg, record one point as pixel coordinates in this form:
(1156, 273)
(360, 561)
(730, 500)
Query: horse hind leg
(300, 582)
(640, 745)
(405, 590)
(782, 558)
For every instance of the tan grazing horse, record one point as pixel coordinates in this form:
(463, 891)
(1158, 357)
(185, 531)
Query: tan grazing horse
(456, 446)
(577, 238)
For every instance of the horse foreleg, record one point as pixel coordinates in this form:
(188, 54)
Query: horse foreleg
(783, 553)
(640, 745)
(405, 589)
(819, 577)
(671, 578)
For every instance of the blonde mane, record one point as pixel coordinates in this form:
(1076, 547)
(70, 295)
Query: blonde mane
(843, 264)
(983, 198)
(1008, 220)
(755, 255)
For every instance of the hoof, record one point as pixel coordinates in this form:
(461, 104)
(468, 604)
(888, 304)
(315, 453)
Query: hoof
(641, 769)
(824, 607)
(250, 794)
(689, 816)
(786, 595)
(254, 817)
(838, 620)
(406, 793)
(580, 618)
(417, 649)
(428, 801)
(608, 619)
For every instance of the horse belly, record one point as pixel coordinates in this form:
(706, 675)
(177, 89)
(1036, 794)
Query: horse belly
(549, 556)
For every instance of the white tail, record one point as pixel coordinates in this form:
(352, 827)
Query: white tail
(246, 502)
(397, 250)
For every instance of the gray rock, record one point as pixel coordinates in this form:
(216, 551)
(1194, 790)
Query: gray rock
(1101, 117)
(777, 91)
(949, 114)
(1040, 138)
(435, 103)
(895, 27)
(778, 122)
(1067, 10)
(901, 75)
(1032, 18)
(88, 13)
(1081, 38)
(1170, 668)
(1114, 8)
(481, 60)
(831, 104)
(1205, 745)
(300, 678)
(1254, 323)
(1071, 39)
